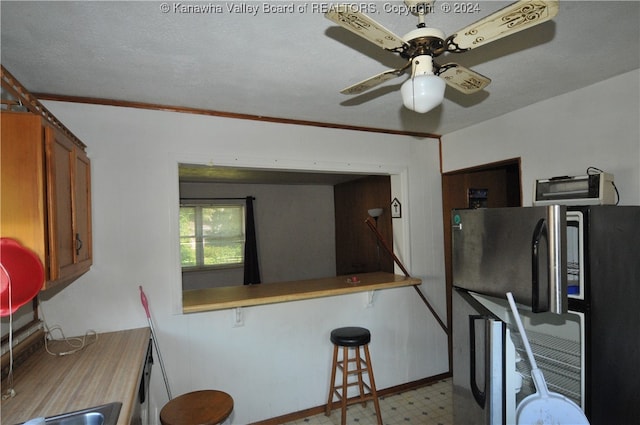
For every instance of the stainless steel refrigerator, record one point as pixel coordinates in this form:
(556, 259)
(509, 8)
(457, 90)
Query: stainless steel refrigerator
(575, 273)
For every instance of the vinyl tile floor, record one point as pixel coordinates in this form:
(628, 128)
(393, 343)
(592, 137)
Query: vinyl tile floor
(429, 405)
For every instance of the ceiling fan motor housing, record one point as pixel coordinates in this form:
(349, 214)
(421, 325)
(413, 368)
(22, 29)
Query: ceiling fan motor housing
(424, 41)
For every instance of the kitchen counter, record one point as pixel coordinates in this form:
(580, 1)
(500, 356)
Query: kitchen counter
(106, 371)
(197, 300)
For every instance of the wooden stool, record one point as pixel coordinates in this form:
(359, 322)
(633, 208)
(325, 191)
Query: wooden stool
(352, 338)
(208, 407)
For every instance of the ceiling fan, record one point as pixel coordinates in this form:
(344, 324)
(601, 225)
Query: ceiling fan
(425, 89)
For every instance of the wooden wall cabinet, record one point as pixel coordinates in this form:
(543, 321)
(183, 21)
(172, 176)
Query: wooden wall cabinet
(45, 195)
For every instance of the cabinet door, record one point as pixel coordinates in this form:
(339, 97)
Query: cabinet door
(68, 179)
(22, 184)
(82, 209)
(60, 162)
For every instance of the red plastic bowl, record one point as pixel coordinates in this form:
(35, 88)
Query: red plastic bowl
(22, 269)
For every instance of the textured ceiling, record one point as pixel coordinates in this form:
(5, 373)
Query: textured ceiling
(292, 63)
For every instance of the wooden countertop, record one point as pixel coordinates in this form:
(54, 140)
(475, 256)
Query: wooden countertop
(197, 300)
(106, 371)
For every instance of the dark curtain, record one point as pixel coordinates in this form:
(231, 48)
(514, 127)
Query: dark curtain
(251, 266)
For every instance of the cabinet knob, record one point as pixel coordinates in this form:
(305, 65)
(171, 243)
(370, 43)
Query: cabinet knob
(78, 244)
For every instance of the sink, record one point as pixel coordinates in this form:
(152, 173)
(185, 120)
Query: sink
(88, 418)
(106, 414)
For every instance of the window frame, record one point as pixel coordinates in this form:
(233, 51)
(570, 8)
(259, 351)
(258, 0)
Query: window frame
(199, 204)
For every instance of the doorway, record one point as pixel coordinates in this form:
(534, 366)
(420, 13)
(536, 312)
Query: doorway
(493, 185)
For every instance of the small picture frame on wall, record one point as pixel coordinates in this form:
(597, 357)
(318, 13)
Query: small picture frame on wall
(396, 208)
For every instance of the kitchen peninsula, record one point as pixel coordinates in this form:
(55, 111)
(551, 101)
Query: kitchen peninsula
(198, 300)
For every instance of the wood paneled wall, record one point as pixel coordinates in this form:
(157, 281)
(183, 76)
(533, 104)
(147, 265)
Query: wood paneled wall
(357, 250)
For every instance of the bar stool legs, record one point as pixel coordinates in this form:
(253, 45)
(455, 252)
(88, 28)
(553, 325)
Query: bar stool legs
(345, 340)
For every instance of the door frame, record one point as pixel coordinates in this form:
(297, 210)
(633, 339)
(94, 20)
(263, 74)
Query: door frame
(511, 164)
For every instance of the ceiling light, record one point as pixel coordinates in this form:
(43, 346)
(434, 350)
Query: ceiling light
(424, 90)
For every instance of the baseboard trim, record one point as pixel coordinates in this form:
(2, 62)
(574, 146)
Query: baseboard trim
(381, 393)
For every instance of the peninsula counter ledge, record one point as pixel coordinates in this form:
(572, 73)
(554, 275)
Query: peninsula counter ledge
(199, 300)
(105, 371)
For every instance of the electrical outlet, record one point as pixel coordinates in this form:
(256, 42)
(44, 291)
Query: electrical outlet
(369, 295)
(238, 317)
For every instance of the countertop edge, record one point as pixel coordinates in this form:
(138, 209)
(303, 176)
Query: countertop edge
(202, 300)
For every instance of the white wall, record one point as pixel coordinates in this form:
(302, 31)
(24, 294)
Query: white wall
(279, 361)
(596, 126)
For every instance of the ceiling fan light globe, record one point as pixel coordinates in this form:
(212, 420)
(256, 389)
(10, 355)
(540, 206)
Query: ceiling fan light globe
(422, 93)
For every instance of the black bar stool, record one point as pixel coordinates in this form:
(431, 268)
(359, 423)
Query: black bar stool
(352, 338)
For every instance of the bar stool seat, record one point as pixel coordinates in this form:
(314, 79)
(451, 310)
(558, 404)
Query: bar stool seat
(206, 407)
(352, 338)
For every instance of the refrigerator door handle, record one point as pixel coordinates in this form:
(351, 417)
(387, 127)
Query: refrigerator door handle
(539, 231)
(480, 396)
(553, 228)
(557, 228)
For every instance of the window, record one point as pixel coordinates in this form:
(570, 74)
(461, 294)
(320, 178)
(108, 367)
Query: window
(211, 236)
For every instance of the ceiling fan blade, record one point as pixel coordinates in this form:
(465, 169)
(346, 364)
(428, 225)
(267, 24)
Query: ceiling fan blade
(462, 79)
(371, 82)
(345, 16)
(516, 17)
